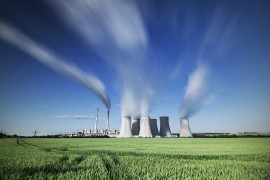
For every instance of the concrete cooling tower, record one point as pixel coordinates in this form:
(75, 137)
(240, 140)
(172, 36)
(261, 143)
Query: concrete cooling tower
(153, 127)
(184, 128)
(145, 130)
(125, 127)
(135, 127)
(164, 126)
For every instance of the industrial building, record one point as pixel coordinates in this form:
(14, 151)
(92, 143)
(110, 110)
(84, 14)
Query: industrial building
(98, 132)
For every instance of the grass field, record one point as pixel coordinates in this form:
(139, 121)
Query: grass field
(160, 158)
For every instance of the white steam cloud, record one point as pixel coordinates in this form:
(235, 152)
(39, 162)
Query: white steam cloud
(216, 39)
(45, 56)
(116, 31)
(73, 117)
(104, 23)
(196, 93)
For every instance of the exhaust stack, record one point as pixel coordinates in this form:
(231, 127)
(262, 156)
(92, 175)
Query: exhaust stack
(145, 130)
(125, 127)
(184, 128)
(107, 124)
(165, 130)
(135, 129)
(154, 128)
(96, 124)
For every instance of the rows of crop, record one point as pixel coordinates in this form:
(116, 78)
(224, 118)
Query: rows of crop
(134, 159)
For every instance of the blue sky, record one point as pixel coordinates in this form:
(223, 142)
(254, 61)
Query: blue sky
(149, 56)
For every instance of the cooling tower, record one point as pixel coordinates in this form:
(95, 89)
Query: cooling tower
(164, 126)
(135, 128)
(145, 130)
(184, 128)
(153, 127)
(125, 127)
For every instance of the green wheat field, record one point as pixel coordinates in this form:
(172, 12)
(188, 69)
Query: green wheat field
(137, 158)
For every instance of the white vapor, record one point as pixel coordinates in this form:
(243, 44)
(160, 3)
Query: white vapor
(73, 117)
(197, 92)
(218, 36)
(45, 56)
(104, 23)
(116, 31)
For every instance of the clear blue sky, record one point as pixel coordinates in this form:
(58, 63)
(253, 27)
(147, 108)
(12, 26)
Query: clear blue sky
(151, 47)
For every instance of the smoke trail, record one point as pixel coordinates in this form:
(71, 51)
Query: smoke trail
(104, 24)
(73, 117)
(196, 93)
(116, 31)
(45, 56)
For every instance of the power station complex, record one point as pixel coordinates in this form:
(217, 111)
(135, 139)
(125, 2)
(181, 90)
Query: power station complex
(139, 127)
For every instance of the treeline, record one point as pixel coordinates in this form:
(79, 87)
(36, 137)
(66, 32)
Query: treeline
(63, 136)
(3, 135)
(231, 135)
(53, 136)
(196, 135)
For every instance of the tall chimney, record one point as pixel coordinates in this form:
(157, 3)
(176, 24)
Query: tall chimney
(184, 128)
(165, 130)
(96, 120)
(153, 127)
(135, 127)
(107, 125)
(125, 127)
(145, 130)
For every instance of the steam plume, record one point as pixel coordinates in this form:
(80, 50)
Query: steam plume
(45, 56)
(196, 93)
(116, 31)
(73, 117)
(104, 24)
